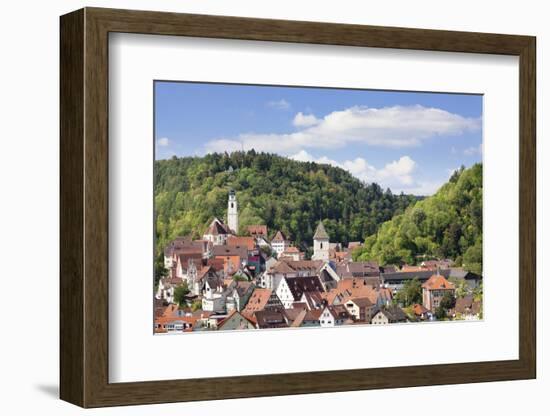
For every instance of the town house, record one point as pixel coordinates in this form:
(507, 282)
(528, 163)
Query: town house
(434, 289)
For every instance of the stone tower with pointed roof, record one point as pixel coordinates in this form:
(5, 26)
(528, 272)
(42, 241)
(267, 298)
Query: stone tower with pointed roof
(320, 243)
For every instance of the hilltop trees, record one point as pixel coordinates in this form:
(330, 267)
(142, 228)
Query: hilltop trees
(282, 193)
(445, 225)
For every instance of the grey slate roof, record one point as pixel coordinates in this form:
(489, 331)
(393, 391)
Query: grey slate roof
(393, 313)
(404, 276)
(320, 232)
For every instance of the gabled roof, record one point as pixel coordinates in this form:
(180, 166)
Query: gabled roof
(351, 288)
(312, 300)
(299, 285)
(393, 313)
(248, 242)
(292, 266)
(228, 250)
(185, 258)
(257, 301)
(299, 318)
(292, 313)
(271, 318)
(437, 281)
(217, 227)
(183, 244)
(320, 233)
(280, 236)
(419, 309)
(338, 311)
(313, 315)
(244, 321)
(362, 302)
(259, 229)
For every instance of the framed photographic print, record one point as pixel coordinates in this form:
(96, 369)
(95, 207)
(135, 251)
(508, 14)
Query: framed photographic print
(255, 207)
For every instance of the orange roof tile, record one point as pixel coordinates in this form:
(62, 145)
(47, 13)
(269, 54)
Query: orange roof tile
(248, 242)
(437, 282)
(259, 229)
(257, 301)
(419, 309)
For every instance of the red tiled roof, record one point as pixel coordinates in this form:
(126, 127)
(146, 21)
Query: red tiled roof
(257, 301)
(419, 309)
(437, 282)
(257, 229)
(248, 242)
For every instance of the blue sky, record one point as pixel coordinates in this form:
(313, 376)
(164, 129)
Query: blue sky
(406, 141)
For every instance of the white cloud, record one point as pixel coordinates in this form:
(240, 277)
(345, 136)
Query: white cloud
(303, 156)
(281, 104)
(304, 120)
(473, 150)
(397, 175)
(396, 127)
(163, 142)
(422, 188)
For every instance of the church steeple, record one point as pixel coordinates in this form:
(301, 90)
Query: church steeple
(320, 243)
(232, 212)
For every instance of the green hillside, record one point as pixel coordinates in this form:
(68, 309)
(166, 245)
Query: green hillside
(284, 194)
(445, 225)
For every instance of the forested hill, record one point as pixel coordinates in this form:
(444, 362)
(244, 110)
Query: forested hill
(282, 193)
(445, 225)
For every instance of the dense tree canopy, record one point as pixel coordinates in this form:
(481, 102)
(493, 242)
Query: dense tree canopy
(445, 225)
(282, 193)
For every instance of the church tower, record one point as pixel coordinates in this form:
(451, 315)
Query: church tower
(320, 243)
(232, 213)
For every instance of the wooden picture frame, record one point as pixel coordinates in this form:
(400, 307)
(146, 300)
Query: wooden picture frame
(84, 207)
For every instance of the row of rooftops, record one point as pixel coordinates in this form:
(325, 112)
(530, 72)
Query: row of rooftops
(188, 250)
(264, 309)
